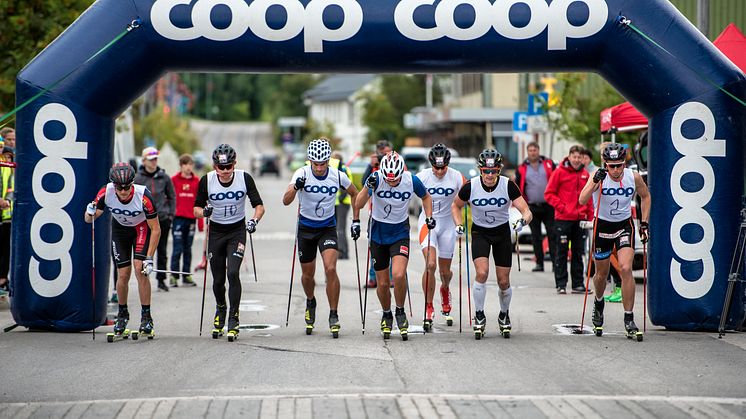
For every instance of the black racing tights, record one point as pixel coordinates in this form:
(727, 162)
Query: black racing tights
(227, 248)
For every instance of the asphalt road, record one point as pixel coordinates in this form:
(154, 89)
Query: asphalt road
(276, 371)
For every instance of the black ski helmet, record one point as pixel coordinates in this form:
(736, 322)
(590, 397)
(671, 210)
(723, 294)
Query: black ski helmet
(224, 154)
(439, 155)
(122, 174)
(490, 158)
(614, 151)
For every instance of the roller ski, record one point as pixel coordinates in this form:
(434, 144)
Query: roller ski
(427, 324)
(233, 327)
(503, 322)
(387, 323)
(120, 327)
(146, 327)
(598, 317)
(218, 325)
(402, 323)
(334, 324)
(445, 298)
(630, 328)
(310, 315)
(480, 325)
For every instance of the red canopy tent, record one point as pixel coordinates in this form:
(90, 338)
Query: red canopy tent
(624, 117)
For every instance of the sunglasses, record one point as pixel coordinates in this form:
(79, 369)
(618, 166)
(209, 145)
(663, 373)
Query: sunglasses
(614, 166)
(489, 171)
(224, 166)
(123, 187)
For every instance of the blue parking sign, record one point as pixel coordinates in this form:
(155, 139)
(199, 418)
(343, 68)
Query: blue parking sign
(535, 106)
(520, 123)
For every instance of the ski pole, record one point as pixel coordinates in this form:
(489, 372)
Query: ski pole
(367, 267)
(292, 269)
(253, 260)
(590, 261)
(459, 285)
(468, 274)
(204, 281)
(644, 286)
(93, 274)
(359, 291)
(518, 252)
(427, 272)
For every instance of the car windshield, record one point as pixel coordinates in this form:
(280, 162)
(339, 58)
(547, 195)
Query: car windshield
(468, 169)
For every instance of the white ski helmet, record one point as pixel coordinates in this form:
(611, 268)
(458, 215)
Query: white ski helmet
(319, 150)
(392, 166)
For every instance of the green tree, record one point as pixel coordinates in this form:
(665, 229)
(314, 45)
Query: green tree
(164, 128)
(28, 27)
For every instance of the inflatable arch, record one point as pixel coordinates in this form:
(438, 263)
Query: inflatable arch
(65, 137)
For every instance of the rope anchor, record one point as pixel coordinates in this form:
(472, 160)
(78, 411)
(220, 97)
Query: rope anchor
(134, 24)
(622, 20)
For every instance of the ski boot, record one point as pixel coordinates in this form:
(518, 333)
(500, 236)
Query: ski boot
(387, 323)
(427, 324)
(615, 297)
(480, 324)
(120, 326)
(233, 326)
(402, 323)
(503, 322)
(334, 324)
(445, 300)
(218, 325)
(631, 329)
(146, 327)
(310, 315)
(598, 317)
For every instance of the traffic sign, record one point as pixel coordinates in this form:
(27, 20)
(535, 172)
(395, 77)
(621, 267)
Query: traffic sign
(519, 121)
(536, 105)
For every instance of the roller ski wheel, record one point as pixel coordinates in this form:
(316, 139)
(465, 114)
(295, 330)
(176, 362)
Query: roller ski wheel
(233, 324)
(232, 335)
(387, 324)
(218, 323)
(217, 333)
(427, 324)
(503, 323)
(449, 319)
(480, 325)
(310, 315)
(598, 317)
(403, 324)
(146, 328)
(120, 327)
(478, 333)
(334, 325)
(631, 329)
(112, 337)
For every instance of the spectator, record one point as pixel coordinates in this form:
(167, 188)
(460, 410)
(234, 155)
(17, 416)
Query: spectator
(532, 177)
(162, 190)
(185, 185)
(383, 147)
(341, 206)
(562, 193)
(590, 167)
(7, 137)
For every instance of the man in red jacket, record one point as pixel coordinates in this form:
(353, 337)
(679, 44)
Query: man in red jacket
(562, 193)
(185, 185)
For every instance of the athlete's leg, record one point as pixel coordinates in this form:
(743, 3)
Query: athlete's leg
(379, 254)
(143, 283)
(123, 278)
(399, 271)
(482, 267)
(625, 256)
(308, 271)
(217, 253)
(236, 250)
(444, 268)
(428, 275)
(329, 256)
(599, 279)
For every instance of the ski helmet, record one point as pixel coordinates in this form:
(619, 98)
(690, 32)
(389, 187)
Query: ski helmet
(122, 174)
(490, 158)
(224, 154)
(319, 150)
(392, 166)
(614, 151)
(439, 155)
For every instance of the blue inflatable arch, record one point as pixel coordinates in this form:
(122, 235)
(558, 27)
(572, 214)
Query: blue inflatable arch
(65, 137)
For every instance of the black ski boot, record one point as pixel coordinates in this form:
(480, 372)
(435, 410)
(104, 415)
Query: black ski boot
(598, 317)
(631, 329)
(387, 323)
(120, 326)
(334, 323)
(402, 323)
(233, 325)
(480, 325)
(503, 322)
(146, 326)
(218, 324)
(310, 315)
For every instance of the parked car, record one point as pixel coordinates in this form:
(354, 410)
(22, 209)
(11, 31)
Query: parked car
(268, 163)
(298, 160)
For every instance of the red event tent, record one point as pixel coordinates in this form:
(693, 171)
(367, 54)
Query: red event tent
(625, 117)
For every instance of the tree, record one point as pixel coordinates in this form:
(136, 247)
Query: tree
(28, 27)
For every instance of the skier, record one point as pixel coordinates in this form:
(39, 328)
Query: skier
(221, 198)
(615, 230)
(490, 196)
(318, 185)
(134, 226)
(442, 184)
(391, 188)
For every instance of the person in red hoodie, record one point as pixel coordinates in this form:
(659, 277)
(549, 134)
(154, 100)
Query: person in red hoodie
(185, 185)
(562, 193)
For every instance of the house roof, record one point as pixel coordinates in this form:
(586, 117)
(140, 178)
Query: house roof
(338, 87)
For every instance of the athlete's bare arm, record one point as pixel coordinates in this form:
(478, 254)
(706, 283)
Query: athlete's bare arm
(352, 190)
(521, 205)
(289, 195)
(155, 236)
(360, 200)
(587, 191)
(427, 205)
(258, 212)
(456, 208)
(644, 193)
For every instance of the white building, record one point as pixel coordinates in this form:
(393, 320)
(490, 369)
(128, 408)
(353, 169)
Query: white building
(337, 100)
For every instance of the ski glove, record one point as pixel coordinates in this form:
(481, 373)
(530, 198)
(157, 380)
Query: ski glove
(207, 211)
(643, 231)
(518, 225)
(599, 175)
(251, 225)
(586, 225)
(355, 229)
(299, 183)
(430, 223)
(460, 230)
(147, 266)
(90, 209)
(371, 182)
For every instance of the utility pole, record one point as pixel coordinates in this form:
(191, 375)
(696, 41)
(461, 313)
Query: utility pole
(703, 17)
